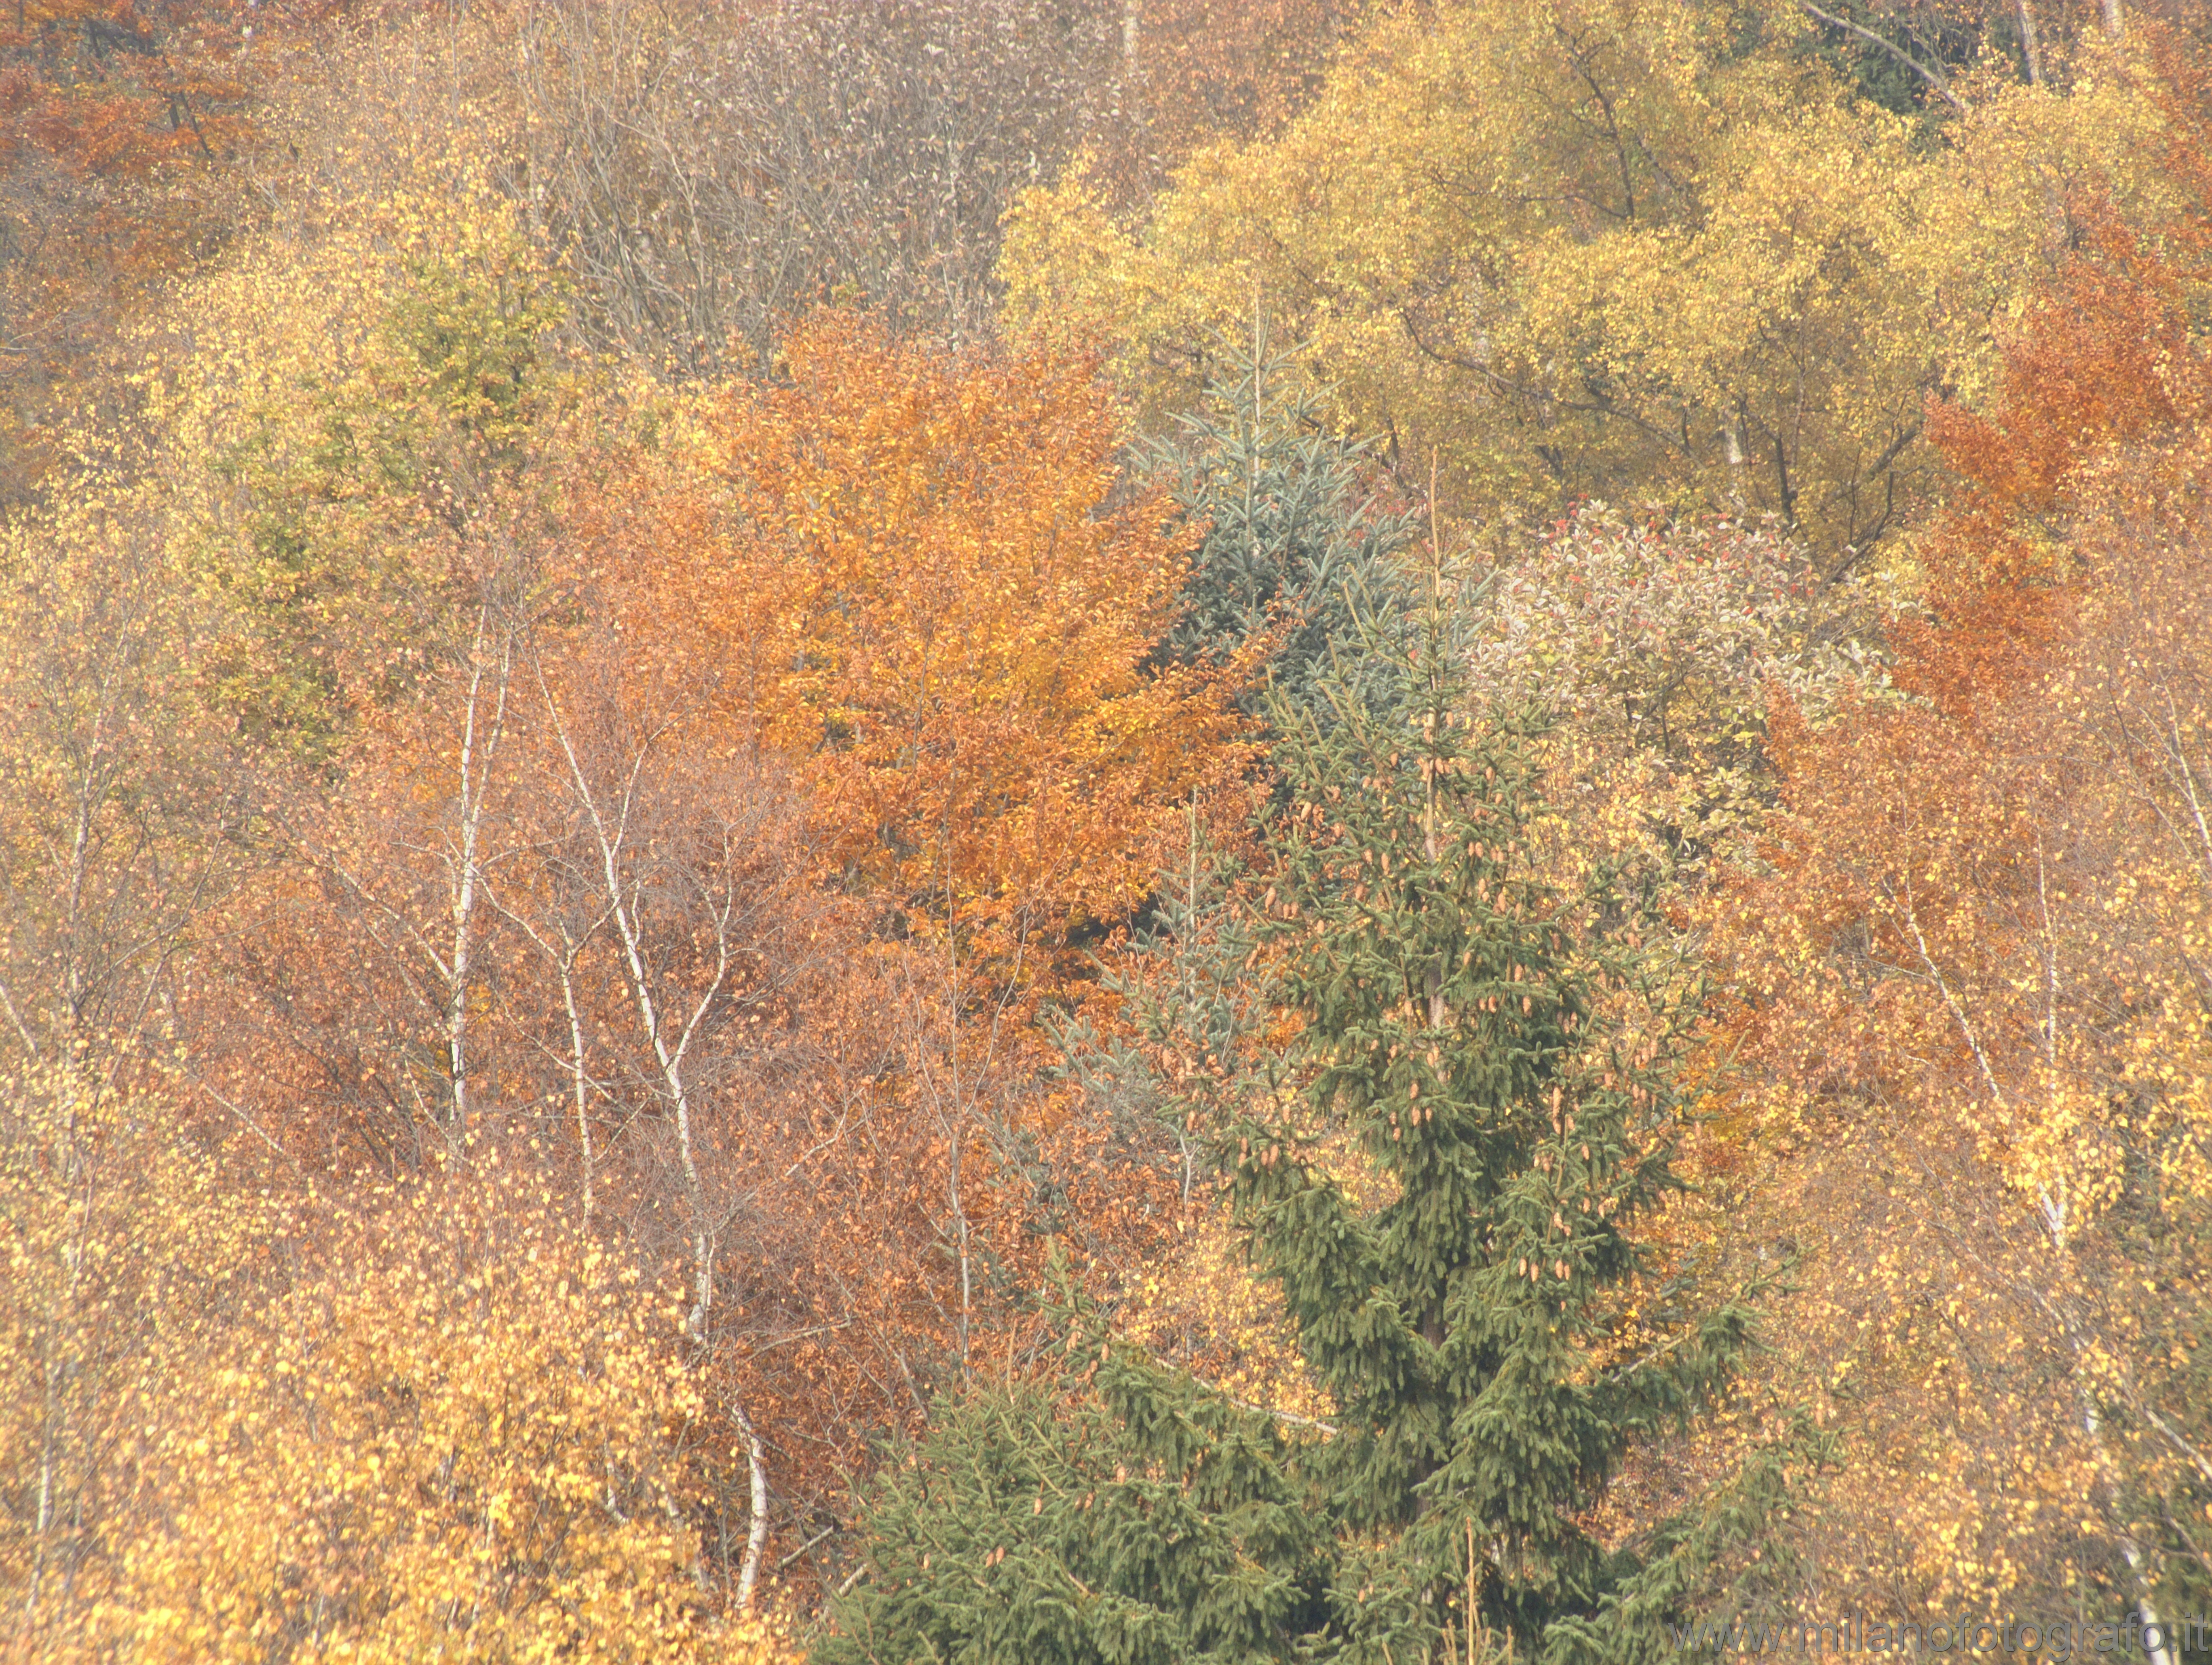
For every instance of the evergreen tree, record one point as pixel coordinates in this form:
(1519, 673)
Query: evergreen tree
(1448, 1207)
(1465, 1026)
(1292, 542)
(1140, 1519)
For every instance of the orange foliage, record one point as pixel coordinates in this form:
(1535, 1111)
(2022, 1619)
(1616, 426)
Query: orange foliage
(609, 868)
(695, 819)
(928, 583)
(1963, 987)
(558, 898)
(109, 87)
(2108, 356)
(115, 120)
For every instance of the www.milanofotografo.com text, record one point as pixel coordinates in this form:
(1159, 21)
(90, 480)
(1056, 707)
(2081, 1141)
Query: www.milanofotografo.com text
(2055, 1639)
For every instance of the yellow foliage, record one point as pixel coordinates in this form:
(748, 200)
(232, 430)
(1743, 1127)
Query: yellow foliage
(1205, 1307)
(1587, 249)
(1964, 988)
(472, 1437)
(122, 1260)
(460, 1430)
(115, 792)
(319, 416)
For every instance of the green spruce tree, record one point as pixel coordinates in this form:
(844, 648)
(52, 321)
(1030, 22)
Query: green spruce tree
(1466, 1029)
(1446, 1178)
(1133, 1518)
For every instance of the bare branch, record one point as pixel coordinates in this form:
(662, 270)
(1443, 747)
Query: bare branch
(1942, 88)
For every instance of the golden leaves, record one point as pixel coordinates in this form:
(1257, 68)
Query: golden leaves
(1601, 253)
(1977, 1043)
(479, 1445)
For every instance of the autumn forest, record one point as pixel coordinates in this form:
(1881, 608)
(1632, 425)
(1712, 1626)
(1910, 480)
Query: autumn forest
(1105, 831)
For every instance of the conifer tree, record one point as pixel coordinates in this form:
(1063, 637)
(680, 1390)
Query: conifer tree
(1464, 1030)
(1449, 1203)
(1140, 1520)
(1292, 542)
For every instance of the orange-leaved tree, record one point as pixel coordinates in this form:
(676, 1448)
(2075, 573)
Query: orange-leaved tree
(1965, 982)
(928, 578)
(2112, 351)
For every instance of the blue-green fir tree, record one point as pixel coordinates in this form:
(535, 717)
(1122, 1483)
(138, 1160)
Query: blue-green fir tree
(1296, 540)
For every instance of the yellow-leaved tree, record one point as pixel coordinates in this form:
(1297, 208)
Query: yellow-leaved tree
(123, 1260)
(467, 1433)
(426, 1419)
(1602, 248)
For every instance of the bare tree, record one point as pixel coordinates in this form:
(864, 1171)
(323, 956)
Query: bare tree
(409, 851)
(682, 855)
(712, 171)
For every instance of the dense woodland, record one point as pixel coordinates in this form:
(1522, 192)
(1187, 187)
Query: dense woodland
(1103, 830)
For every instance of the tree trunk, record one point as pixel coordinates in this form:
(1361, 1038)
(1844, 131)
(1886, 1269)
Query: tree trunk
(2029, 50)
